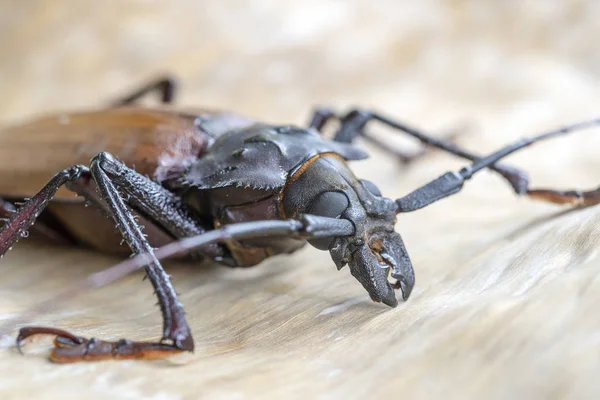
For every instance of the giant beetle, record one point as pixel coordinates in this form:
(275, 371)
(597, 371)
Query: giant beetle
(222, 187)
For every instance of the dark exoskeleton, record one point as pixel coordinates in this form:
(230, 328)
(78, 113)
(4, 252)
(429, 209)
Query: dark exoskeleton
(240, 191)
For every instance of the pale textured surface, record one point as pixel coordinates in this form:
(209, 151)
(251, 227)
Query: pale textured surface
(507, 290)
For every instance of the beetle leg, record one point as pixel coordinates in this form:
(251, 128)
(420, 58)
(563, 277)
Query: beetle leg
(321, 116)
(41, 229)
(452, 182)
(175, 327)
(24, 217)
(406, 158)
(353, 123)
(166, 86)
(150, 199)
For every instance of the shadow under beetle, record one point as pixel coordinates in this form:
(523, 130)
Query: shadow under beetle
(227, 188)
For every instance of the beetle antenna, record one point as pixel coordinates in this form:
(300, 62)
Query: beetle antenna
(452, 182)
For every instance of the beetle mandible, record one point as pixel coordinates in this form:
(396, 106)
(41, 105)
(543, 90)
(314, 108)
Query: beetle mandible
(239, 189)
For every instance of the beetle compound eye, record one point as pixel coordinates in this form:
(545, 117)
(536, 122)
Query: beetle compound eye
(328, 204)
(371, 187)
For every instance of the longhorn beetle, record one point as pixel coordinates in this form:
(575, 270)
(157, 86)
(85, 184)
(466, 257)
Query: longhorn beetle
(222, 187)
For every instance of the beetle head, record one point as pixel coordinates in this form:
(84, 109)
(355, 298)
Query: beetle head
(375, 251)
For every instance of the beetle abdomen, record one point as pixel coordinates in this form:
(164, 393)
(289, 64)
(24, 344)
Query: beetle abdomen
(157, 143)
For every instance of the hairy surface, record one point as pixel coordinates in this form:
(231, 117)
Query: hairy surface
(507, 289)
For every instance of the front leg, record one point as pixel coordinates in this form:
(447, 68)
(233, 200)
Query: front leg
(175, 327)
(176, 331)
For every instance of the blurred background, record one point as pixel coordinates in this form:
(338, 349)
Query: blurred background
(505, 299)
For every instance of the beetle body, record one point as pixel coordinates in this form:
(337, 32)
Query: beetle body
(226, 169)
(233, 190)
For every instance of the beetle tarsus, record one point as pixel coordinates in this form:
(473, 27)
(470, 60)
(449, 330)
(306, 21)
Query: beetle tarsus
(69, 348)
(26, 332)
(573, 197)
